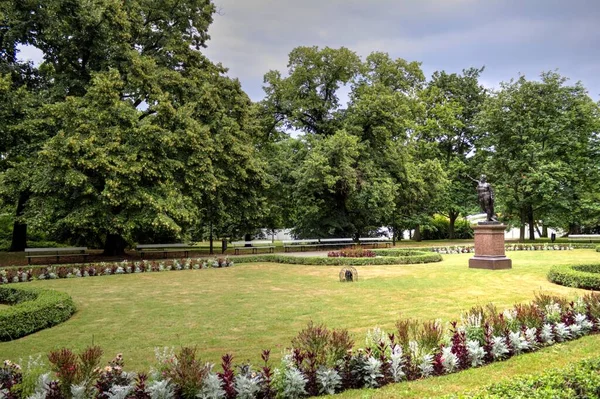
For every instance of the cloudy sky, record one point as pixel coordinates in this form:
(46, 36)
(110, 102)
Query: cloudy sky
(508, 37)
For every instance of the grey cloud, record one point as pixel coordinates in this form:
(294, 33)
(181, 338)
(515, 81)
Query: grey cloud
(507, 36)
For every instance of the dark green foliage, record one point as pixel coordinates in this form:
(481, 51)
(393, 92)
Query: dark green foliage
(577, 276)
(410, 257)
(32, 310)
(581, 380)
(438, 229)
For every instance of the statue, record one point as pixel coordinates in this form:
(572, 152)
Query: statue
(485, 193)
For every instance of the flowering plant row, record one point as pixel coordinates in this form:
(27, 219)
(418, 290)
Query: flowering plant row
(351, 253)
(461, 249)
(320, 361)
(23, 274)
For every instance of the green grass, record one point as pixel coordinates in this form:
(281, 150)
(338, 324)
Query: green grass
(251, 307)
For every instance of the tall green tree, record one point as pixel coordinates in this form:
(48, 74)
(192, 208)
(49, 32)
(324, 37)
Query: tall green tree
(307, 99)
(144, 134)
(539, 144)
(453, 102)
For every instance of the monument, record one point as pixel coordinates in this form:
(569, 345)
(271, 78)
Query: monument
(489, 234)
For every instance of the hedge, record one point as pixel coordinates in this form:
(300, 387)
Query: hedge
(411, 257)
(579, 380)
(576, 276)
(32, 310)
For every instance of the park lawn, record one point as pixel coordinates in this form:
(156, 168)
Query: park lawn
(251, 307)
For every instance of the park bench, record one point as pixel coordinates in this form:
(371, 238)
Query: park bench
(335, 242)
(584, 237)
(31, 253)
(291, 245)
(253, 246)
(164, 248)
(375, 241)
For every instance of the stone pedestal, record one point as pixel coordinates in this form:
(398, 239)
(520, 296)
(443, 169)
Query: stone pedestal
(489, 247)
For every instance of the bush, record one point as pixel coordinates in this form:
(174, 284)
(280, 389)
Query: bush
(408, 257)
(32, 310)
(437, 229)
(597, 248)
(576, 276)
(580, 380)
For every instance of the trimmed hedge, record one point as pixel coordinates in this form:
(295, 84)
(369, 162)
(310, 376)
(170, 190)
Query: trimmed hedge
(32, 310)
(407, 257)
(579, 380)
(576, 276)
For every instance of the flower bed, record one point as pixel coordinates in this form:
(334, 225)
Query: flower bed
(351, 253)
(579, 380)
(320, 361)
(32, 310)
(22, 274)
(576, 276)
(461, 249)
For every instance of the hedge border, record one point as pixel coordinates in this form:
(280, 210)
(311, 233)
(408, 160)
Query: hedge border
(578, 379)
(414, 257)
(32, 309)
(577, 276)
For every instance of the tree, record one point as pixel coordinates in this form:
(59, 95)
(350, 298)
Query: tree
(307, 99)
(454, 100)
(540, 147)
(145, 134)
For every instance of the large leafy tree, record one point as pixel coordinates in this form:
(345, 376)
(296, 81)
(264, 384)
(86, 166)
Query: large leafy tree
(453, 102)
(539, 142)
(307, 98)
(146, 135)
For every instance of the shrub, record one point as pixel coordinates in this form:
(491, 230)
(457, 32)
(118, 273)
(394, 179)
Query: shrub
(577, 276)
(411, 257)
(32, 310)
(580, 380)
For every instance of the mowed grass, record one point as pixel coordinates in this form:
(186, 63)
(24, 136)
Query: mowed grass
(250, 307)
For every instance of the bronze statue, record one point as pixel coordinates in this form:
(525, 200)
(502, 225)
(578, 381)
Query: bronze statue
(485, 193)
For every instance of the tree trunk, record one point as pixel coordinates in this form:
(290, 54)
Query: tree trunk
(417, 233)
(544, 231)
(531, 222)
(210, 240)
(452, 216)
(522, 226)
(247, 239)
(114, 245)
(19, 234)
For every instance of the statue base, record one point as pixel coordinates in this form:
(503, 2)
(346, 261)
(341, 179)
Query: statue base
(489, 247)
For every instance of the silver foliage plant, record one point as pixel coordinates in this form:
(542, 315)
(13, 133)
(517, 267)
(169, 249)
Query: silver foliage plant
(294, 384)
(397, 362)
(245, 386)
(162, 389)
(499, 348)
(372, 372)
(212, 387)
(328, 380)
(475, 352)
(449, 360)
